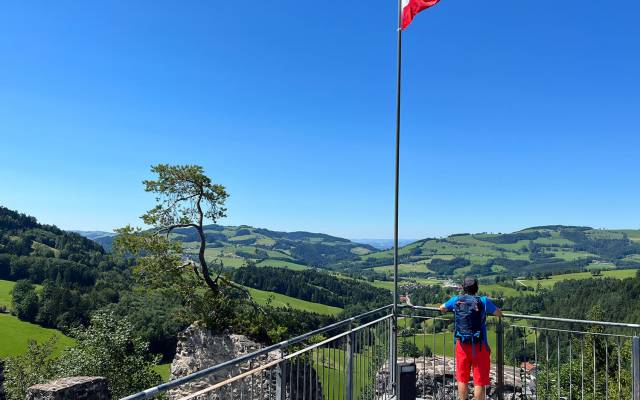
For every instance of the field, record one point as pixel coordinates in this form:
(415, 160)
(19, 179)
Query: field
(5, 293)
(498, 290)
(548, 283)
(544, 249)
(16, 334)
(282, 264)
(280, 300)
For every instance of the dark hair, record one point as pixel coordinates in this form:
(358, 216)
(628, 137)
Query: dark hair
(470, 285)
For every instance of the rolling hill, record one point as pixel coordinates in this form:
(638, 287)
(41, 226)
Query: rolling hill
(529, 252)
(234, 244)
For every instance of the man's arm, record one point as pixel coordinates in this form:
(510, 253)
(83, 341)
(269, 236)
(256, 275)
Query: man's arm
(449, 305)
(493, 309)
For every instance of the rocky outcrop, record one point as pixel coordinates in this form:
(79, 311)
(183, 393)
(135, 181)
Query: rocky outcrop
(76, 388)
(198, 349)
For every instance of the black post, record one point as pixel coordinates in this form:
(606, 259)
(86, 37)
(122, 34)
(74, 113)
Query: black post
(394, 356)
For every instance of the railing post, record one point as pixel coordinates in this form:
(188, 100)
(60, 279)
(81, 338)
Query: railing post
(636, 367)
(349, 385)
(393, 355)
(500, 359)
(281, 381)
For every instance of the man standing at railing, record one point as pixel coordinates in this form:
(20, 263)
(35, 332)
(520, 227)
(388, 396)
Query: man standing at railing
(472, 346)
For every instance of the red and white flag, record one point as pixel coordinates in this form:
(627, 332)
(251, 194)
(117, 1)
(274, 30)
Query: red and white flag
(410, 8)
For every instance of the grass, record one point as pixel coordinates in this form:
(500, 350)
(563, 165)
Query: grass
(16, 334)
(5, 293)
(493, 288)
(633, 257)
(279, 300)
(443, 342)
(6, 287)
(403, 268)
(632, 234)
(600, 266)
(570, 255)
(382, 284)
(282, 264)
(164, 370)
(548, 283)
(331, 365)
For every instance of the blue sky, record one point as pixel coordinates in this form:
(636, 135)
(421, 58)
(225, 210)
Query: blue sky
(514, 113)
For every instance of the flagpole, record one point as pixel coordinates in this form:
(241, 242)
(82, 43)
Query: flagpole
(394, 356)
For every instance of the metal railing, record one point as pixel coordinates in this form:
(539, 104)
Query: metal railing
(346, 360)
(533, 357)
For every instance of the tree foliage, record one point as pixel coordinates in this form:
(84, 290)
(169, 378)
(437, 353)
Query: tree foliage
(35, 366)
(109, 347)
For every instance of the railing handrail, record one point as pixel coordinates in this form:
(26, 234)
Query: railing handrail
(549, 319)
(250, 356)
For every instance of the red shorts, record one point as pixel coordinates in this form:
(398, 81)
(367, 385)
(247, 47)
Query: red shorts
(479, 358)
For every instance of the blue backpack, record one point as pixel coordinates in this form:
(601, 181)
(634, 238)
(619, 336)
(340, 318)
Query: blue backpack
(469, 312)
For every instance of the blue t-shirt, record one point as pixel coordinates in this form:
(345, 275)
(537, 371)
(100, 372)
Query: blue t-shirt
(489, 308)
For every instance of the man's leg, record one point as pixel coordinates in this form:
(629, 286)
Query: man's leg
(463, 371)
(463, 391)
(478, 393)
(481, 371)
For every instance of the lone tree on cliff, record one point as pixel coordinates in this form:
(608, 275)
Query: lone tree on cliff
(186, 198)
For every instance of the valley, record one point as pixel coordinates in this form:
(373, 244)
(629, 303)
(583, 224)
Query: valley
(307, 279)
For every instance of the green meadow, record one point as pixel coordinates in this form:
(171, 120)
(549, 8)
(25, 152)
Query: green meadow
(16, 334)
(164, 370)
(548, 283)
(280, 300)
(282, 264)
(5, 293)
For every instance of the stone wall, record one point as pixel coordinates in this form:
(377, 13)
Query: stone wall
(198, 349)
(76, 388)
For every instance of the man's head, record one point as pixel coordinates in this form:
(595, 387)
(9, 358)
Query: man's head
(470, 285)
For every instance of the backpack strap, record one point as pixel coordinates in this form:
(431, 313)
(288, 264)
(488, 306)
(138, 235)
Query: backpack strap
(484, 340)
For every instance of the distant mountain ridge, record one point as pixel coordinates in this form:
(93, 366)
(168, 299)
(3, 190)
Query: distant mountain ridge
(384, 244)
(535, 250)
(104, 239)
(232, 245)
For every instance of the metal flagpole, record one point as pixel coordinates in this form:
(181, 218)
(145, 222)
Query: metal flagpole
(394, 366)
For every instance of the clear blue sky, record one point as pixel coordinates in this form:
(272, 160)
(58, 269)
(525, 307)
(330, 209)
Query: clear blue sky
(516, 113)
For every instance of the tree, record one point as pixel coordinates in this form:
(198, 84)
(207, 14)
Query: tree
(186, 198)
(25, 300)
(110, 348)
(35, 366)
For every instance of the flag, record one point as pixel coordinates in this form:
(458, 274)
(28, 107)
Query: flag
(410, 8)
